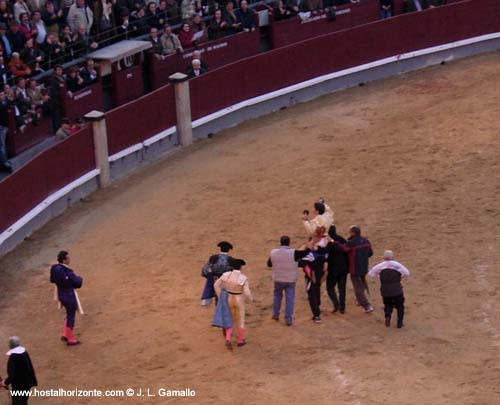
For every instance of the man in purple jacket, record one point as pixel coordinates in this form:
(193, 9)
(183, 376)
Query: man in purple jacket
(66, 281)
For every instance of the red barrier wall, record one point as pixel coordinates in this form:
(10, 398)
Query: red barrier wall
(214, 53)
(83, 101)
(46, 173)
(33, 134)
(294, 30)
(127, 84)
(340, 50)
(138, 120)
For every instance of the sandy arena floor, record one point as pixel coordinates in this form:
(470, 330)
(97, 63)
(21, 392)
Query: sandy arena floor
(414, 160)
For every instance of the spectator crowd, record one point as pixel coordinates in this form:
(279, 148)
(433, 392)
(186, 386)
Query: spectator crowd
(41, 35)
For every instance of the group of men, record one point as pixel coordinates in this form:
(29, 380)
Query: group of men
(325, 257)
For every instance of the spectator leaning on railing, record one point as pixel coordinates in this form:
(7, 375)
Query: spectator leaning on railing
(4, 128)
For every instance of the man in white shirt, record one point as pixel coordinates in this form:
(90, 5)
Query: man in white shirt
(390, 272)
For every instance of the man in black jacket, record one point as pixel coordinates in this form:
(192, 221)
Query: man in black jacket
(390, 272)
(359, 251)
(20, 372)
(337, 270)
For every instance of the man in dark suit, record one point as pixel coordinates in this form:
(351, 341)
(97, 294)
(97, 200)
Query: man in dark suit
(16, 37)
(21, 374)
(338, 268)
(195, 69)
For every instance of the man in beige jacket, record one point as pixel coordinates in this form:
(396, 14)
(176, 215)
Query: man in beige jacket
(237, 287)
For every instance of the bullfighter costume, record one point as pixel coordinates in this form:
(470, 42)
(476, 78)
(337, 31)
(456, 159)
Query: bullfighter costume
(237, 287)
(213, 269)
(66, 281)
(324, 218)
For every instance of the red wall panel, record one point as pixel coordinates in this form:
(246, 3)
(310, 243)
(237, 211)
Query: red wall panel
(46, 173)
(140, 119)
(333, 52)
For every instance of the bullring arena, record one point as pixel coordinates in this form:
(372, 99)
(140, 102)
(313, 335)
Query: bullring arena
(413, 159)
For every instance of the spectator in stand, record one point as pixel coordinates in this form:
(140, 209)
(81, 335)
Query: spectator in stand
(20, 7)
(231, 20)
(77, 125)
(74, 81)
(6, 15)
(138, 22)
(197, 55)
(199, 30)
(89, 73)
(105, 22)
(83, 42)
(137, 5)
(415, 5)
(187, 9)
(66, 42)
(52, 50)
(314, 6)
(157, 47)
(152, 16)
(161, 13)
(124, 30)
(53, 19)
(5, 43)
(35, 5)
(385, 9)
(4, 72)
(65, 5)
(293, 6)
(218, 26)
(4, 128)
(55, 85)
(170, 41)
(22, 98)
(25, 27)
(173, 12)
(39, 26)
(195, 70)
(18, 67)
(186, 36)
(65, 130)
(80, 15)
(118, 7)
(246, 17)
(199, 9)
(280, 12)
(33, 57)
(39, 96)
(16, 38)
